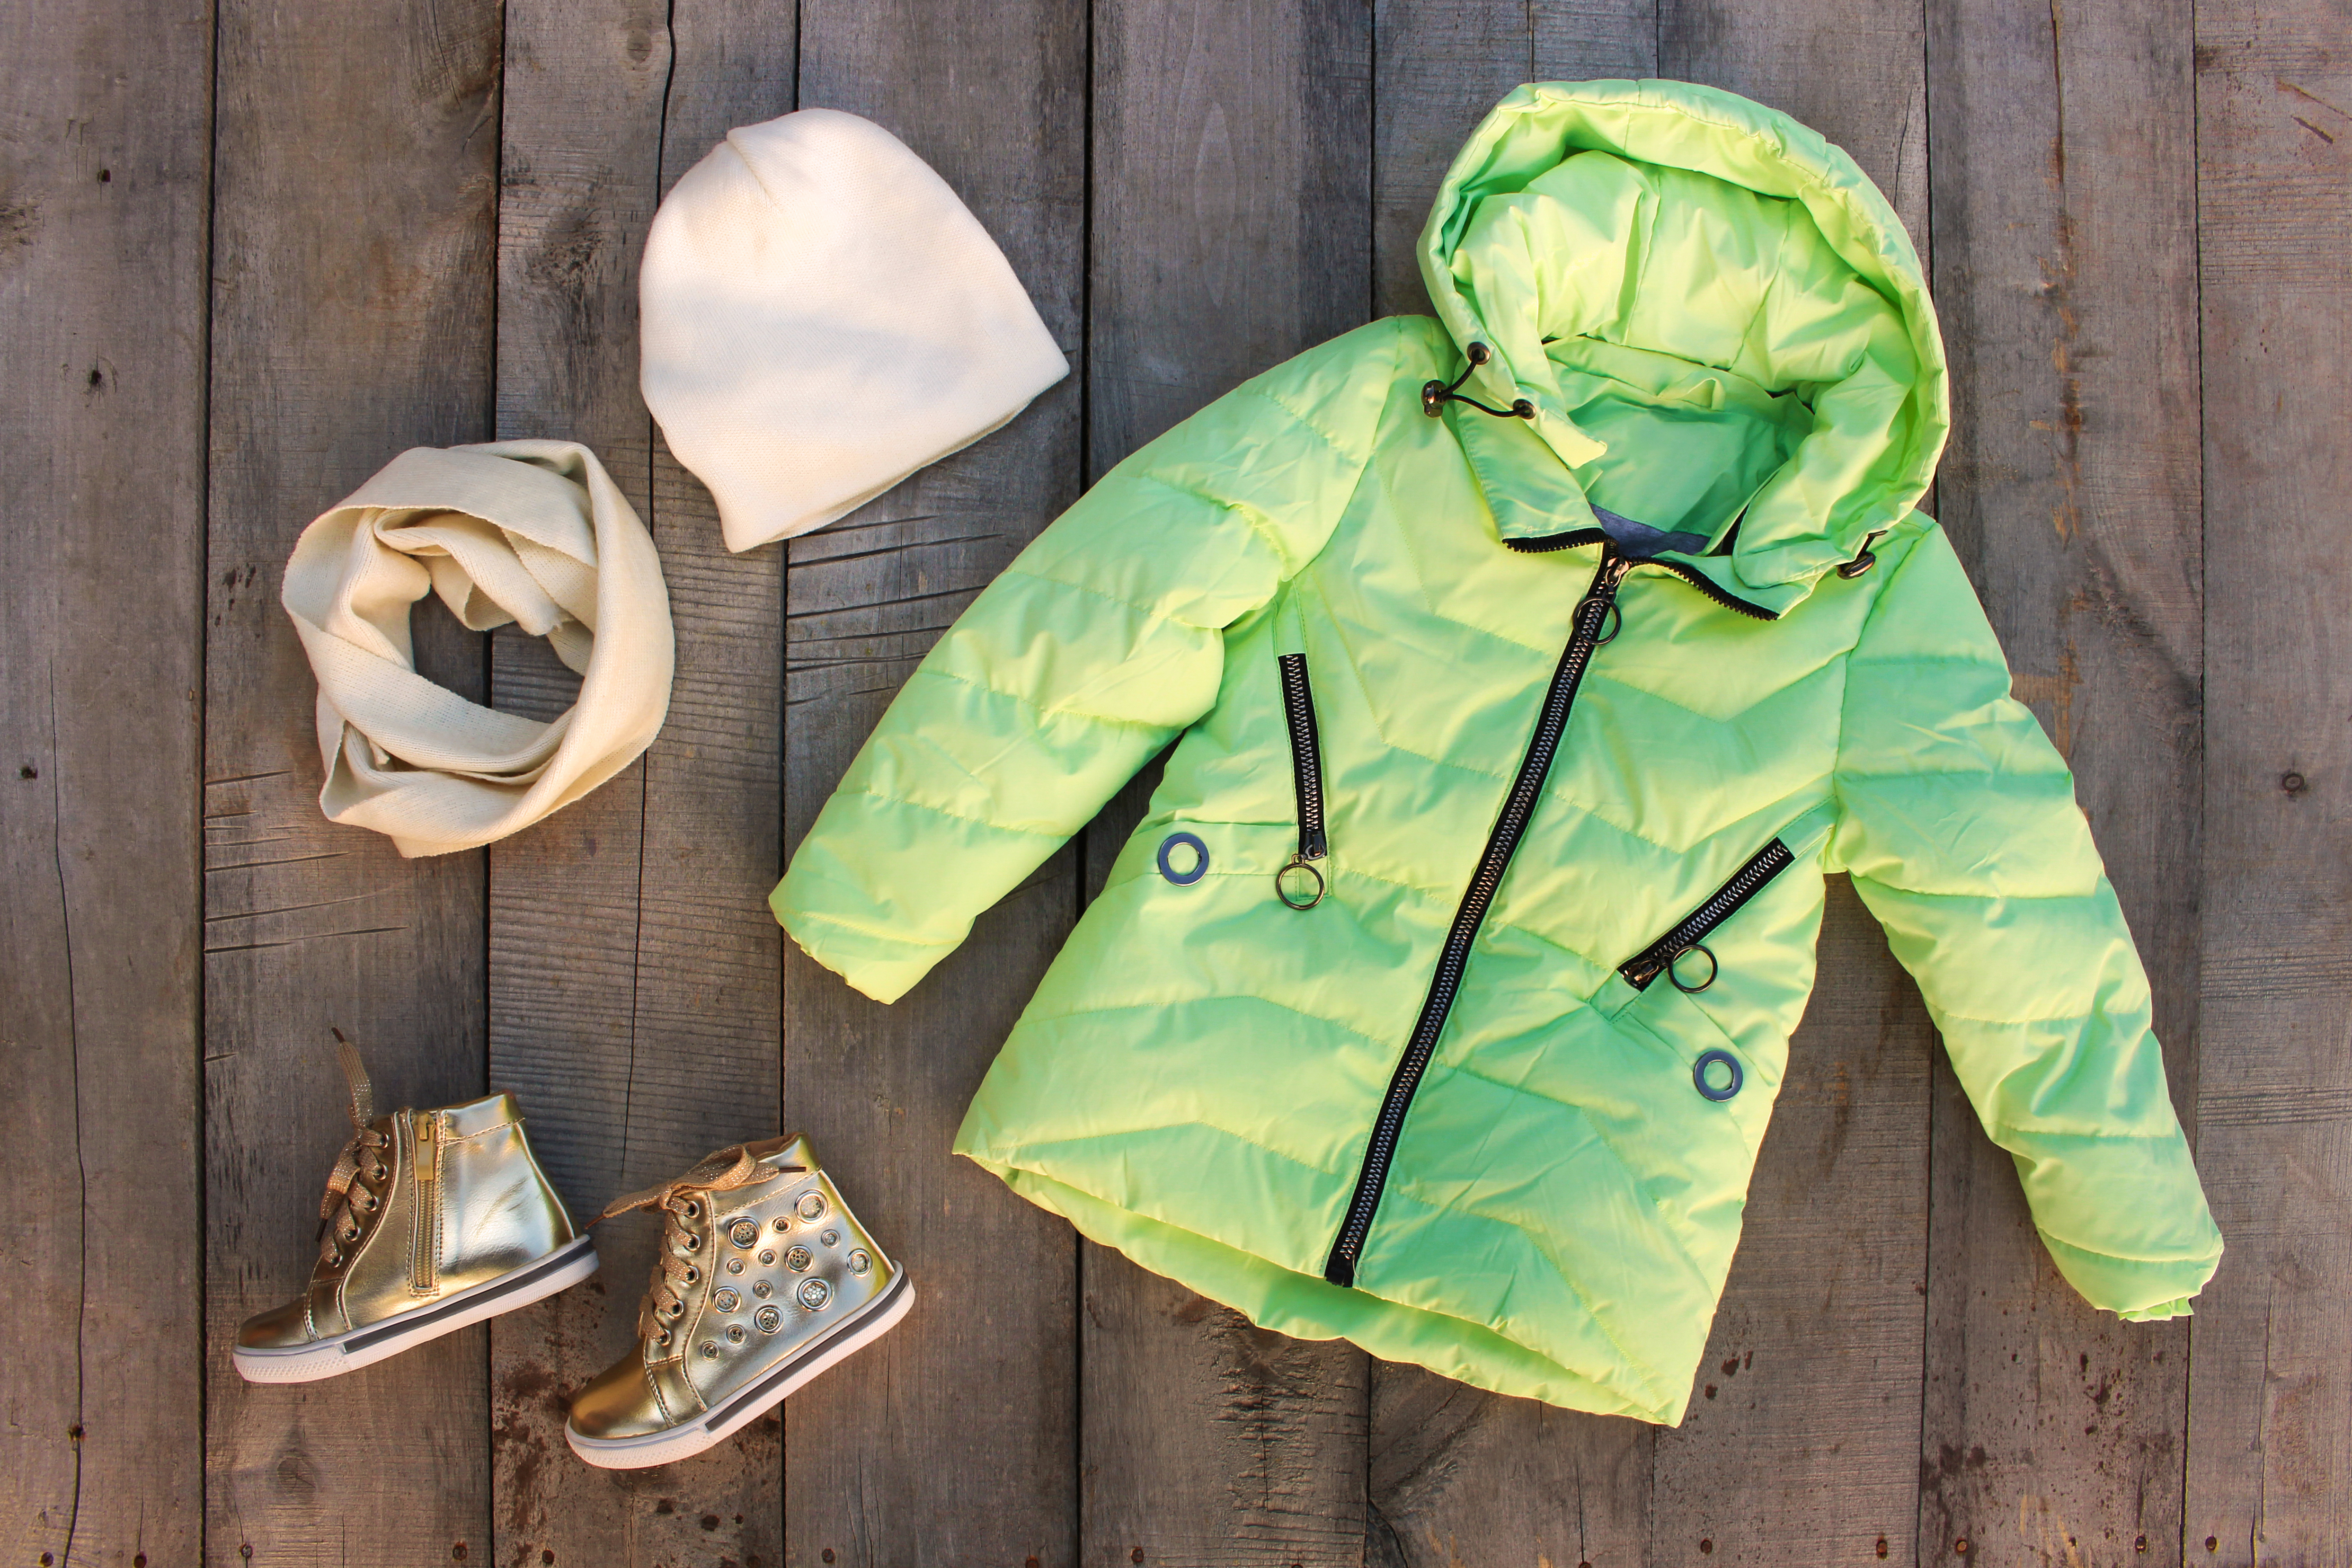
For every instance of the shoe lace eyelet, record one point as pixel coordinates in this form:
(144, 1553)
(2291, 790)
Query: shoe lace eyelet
(693, 1275)
(693, 1210)
(690, 1242)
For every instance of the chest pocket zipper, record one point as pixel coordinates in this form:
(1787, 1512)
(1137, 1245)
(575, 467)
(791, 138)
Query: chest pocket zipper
(1290, 883)
(1663, 955)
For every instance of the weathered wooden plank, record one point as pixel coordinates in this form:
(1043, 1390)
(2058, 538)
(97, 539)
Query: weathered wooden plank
(634, 971)
(1231, 192)
(2270, 1463)
(708, 1026)
(1852, 69)
(953, 1440)
(1462, 1476)
(2064, 230)
(1809, 1451)
(1801, 1441)
(1232, 212)
(1579, 40)
(352, 309)
(1458, 1474)
(104, 158)
(1438, 67)
(578, 173)
(1440, 64)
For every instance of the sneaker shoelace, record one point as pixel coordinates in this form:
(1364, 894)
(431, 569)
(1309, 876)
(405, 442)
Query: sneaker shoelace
(355, 1187)
(681, 1202)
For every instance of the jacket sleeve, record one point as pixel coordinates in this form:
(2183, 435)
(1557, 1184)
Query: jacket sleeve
(1101, 641)
(1959, 826)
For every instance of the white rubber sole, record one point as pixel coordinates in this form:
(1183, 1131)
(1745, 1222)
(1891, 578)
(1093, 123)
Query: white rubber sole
(559, 1271)
(755, 1399)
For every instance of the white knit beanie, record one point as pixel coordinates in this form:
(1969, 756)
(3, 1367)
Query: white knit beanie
(821, 317)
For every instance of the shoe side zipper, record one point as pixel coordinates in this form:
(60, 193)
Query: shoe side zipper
(1291, 882)
(424, 1232)
(1689, 933)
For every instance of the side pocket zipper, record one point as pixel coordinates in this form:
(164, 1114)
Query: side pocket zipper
(1687, 935)
(1307, 774)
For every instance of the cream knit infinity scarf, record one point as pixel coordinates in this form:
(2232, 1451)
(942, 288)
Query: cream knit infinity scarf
(529, 531)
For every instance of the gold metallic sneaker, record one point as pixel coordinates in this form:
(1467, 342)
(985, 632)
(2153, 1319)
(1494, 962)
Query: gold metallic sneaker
(432, 1220)
(765, 1279)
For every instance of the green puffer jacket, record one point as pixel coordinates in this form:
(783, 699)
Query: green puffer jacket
(1565, 699)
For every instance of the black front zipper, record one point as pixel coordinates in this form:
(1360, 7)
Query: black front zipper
(1595, 613)
(1709, 587)
(1306, 776)
(1658, 958)
(1576, 538)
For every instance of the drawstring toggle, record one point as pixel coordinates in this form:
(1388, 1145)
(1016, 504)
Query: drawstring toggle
(1436, 394)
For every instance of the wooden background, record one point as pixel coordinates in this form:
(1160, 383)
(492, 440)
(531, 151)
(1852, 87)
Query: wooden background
(251, 249)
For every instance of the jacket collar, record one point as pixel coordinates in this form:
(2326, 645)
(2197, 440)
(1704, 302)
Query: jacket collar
(1537, 505)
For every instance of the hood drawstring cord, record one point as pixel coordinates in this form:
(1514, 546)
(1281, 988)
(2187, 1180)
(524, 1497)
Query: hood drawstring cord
(1436, 394)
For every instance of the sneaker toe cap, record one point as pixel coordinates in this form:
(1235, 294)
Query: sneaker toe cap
(279, 1328)
(619, 1401)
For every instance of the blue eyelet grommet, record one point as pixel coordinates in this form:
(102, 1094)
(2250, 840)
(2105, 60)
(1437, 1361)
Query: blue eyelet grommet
(1199, 868)
(1708, 1058)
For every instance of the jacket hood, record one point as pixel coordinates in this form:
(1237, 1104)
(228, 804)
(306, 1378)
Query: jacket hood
(1719, 322)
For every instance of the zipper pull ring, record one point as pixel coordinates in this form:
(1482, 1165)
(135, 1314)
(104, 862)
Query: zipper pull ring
(1640, 974)
(1604, 591)
(1713, 969)
(1298, 862)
